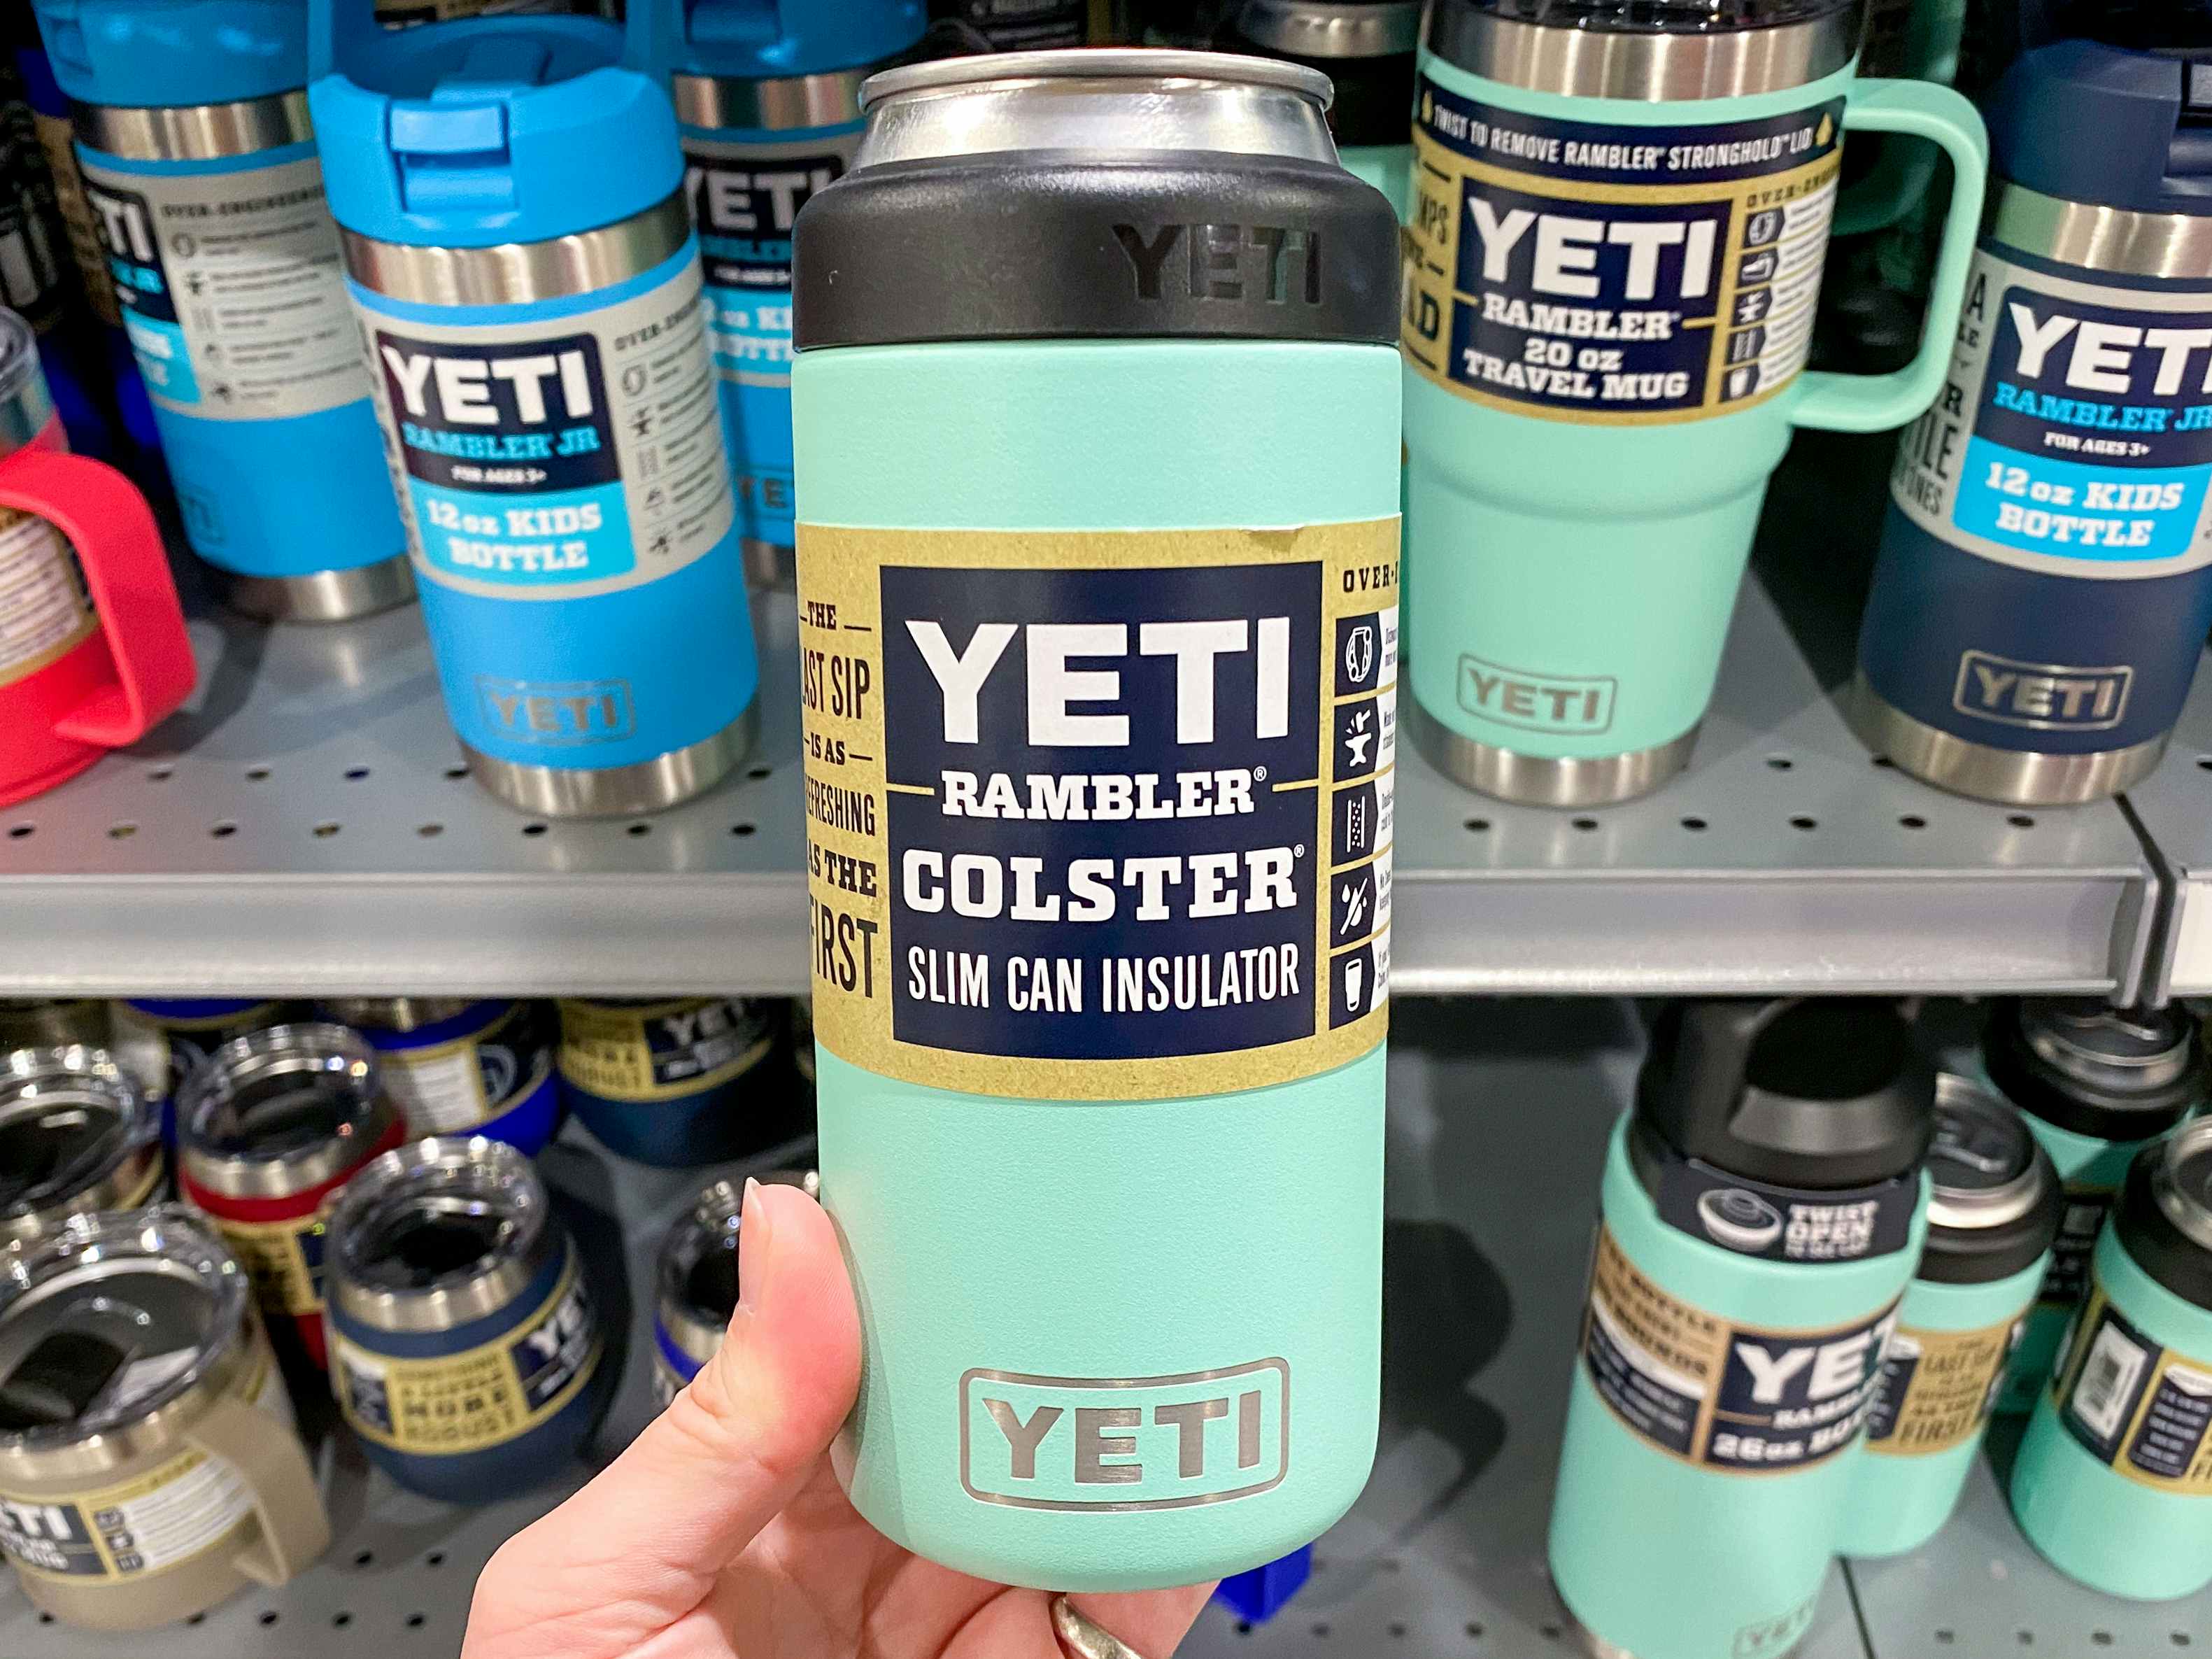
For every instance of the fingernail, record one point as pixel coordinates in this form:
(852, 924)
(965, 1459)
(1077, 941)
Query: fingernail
(752, 1249)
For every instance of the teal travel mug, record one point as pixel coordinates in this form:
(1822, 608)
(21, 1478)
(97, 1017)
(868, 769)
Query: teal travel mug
(1993, 1207)
(1761, 1215)
(1098, 594)
(2096, 1085)
(1616, 248)
(2113, 1483)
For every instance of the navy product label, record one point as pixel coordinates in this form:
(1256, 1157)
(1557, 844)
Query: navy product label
(1738, 1399)
(661, 1051)
(745, 195)
(45, 609)
(2141, 1408)
(480, 1397)
(455, 1086)
(1780, 1224)
(1938, 1387)
(556, 459)
(1577, 270)
(2074, 437)
(230, 288)
(1099, 815)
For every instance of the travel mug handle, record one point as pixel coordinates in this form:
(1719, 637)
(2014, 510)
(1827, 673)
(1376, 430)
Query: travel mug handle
(119, 547)
(294, 1528)
(1872, 403)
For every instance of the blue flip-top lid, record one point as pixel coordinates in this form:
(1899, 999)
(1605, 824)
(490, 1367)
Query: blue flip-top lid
(144, 54)
(491, 130)
(44, 92)
(769, 39)
(2093, 123)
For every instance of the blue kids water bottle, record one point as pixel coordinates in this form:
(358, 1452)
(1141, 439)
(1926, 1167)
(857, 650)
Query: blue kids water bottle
(528, 283)
(768, 96)
(199, 166)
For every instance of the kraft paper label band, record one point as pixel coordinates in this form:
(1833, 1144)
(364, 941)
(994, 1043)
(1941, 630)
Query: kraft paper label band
(1100, 815)
(1732, 1399)
(285, 1259)
(480, 1397)
(1617, 275)
(176, 1512)
(1938, 1387)
(663, 1051)
(45, 612)
(2142, 1408)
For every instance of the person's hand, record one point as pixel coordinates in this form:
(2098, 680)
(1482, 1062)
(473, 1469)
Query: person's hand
(721, 1531)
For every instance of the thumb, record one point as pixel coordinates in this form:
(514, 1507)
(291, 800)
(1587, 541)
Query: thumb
(641, 1545)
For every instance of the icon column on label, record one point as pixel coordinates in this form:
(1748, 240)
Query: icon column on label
(1363, 759)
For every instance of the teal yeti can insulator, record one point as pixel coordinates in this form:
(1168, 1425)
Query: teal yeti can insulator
(464, 1345)
(1621, 221)
(768, 97)
(1096, 410)
(200, 169)
(2113, 1483)
(1993, 1209)
(528, 288)
(1762, 1211)
(694, 1283)
(2095, 1084)
(1365, 47)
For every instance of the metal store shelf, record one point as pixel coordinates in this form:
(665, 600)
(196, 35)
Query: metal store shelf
(2174, 807)
(303, 827)
(1499, 1112)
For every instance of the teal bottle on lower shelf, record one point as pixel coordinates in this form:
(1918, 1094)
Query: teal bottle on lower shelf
(2096, 1085)
(1992, 1211)
(2113, 1483)
(1725, 1371)
(1096, 596)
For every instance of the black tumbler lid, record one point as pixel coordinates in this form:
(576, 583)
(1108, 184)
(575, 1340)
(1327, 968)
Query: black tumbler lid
(2091, 1069)
(1364, 46)
(2165, 1213)
(1994, 1201)
(1813, 1093)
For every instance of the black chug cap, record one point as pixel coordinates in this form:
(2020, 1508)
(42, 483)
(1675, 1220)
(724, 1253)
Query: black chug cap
(2085, 1066)
(1994, 1201)
(1814, 1093)
(2165, 1213)
(1102, 194)
(1365, 47)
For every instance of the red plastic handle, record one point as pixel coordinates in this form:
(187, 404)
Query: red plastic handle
(119, 545)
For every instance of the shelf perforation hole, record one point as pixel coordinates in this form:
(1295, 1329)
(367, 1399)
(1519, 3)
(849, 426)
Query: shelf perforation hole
(533, 829)
(2204, 762)
(1694, 823)
(1779, 763)
(268, 1616)
(638, 830)
(1913, 821)
(1946, 1637)
(756, 773)
(366, 1559)
(1478, 826)
(46, 1618)
(159, 774)
(416, 1620)
(2103, 1638)
(1321, 1630)
(1398, 1629)
(197, 1619)
(121, 831)
(21, 831)
(1243, 1626)
(1551, 1632)
(2021, 820)
(2025, 1637)
(2180, 1638)
(256, 774)
(427, 832)
(1473, 1631)
(1885, 763)
(457, 771)
(325, 830)
(435, 1559)
(224, 830)
(744, 828)
(340, 1621)
(1585, 824)
(355, 774)
(1801, 821)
